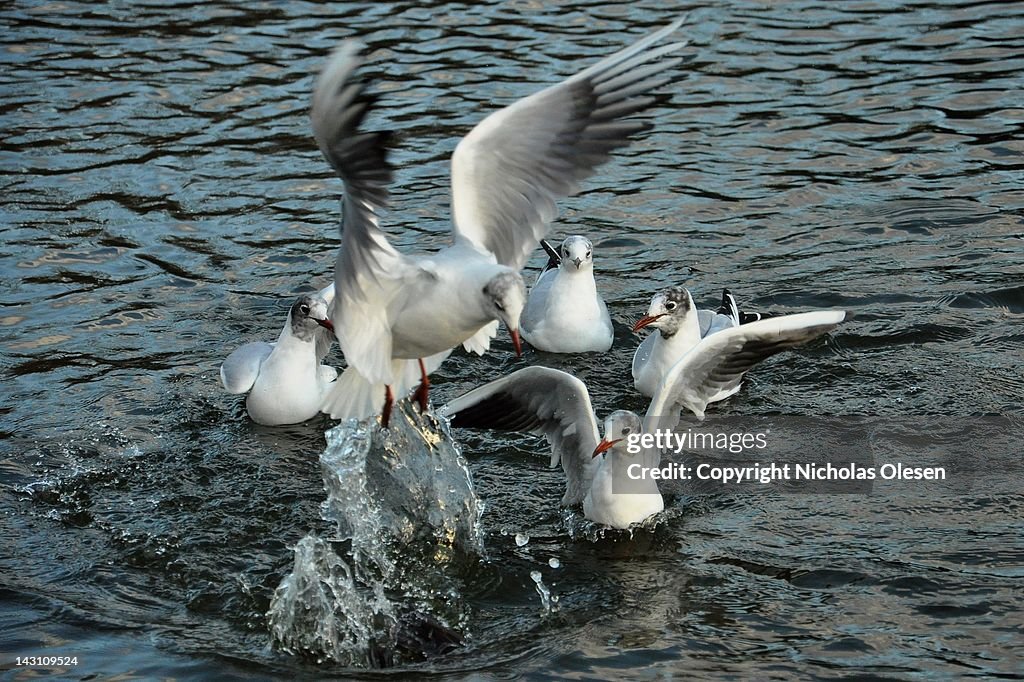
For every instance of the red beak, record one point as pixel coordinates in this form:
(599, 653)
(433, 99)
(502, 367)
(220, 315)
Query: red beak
(644, 321)
(604, 445)
(516, 342)
(326, 324)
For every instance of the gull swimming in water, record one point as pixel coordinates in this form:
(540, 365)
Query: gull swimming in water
(679, 326)
(285, 380)
(398, 316)
(564, 313)
(550, 402)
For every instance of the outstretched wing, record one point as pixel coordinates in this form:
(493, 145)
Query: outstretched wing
(544, 401)
(720, 360)
(509, 170)
(369, 274)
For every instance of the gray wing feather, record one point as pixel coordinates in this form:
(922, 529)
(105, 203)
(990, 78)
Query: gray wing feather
(711, 322)
(643, 353)
(327, 294)
(544, 401)
(369, 272)
(324, 341)
(510, 169)
(538, 301)
(325, 337)
(239, 370)
(720, 360)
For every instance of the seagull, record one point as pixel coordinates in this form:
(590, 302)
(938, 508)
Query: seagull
(679, 327)
(285, 380)
(564, 313)
(556, 404)
(398, 316)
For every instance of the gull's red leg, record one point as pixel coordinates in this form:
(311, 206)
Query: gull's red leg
(423, 391)
(389, 400)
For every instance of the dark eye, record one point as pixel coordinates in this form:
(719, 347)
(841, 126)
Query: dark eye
(670, 305)
(625, 431)
(499, 306)
(588, 253)
(304, 309)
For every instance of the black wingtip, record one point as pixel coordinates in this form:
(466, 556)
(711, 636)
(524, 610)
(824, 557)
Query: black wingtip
(499, 412)
(728, 305)
(359, 157)
(550, 250)
(554, 260)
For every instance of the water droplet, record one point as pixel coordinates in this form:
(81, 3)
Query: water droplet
(522, 539)
(554, 563)
(543, 591)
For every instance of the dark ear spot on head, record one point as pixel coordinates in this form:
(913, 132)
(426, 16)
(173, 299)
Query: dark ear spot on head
(676, 295)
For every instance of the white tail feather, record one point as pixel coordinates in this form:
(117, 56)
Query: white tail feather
(353, 397)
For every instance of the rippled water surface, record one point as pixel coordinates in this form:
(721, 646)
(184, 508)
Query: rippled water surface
(162, 202)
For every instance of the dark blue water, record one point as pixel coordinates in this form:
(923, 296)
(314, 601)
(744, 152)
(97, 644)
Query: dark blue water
(162, 201)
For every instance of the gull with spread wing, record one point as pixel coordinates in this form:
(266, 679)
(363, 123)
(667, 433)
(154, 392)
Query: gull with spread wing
(679, 326)
(557, 405)
(398, 316)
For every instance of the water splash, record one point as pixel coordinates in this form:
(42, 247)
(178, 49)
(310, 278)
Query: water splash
(317, 609)
(581, 529)
(405, 514)
(548, 602)
(416, 480)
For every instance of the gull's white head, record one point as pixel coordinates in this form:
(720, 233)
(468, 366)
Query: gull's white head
(577, 254)
(667, 311)
(306, 314)
(617, 428)
(504, 297)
